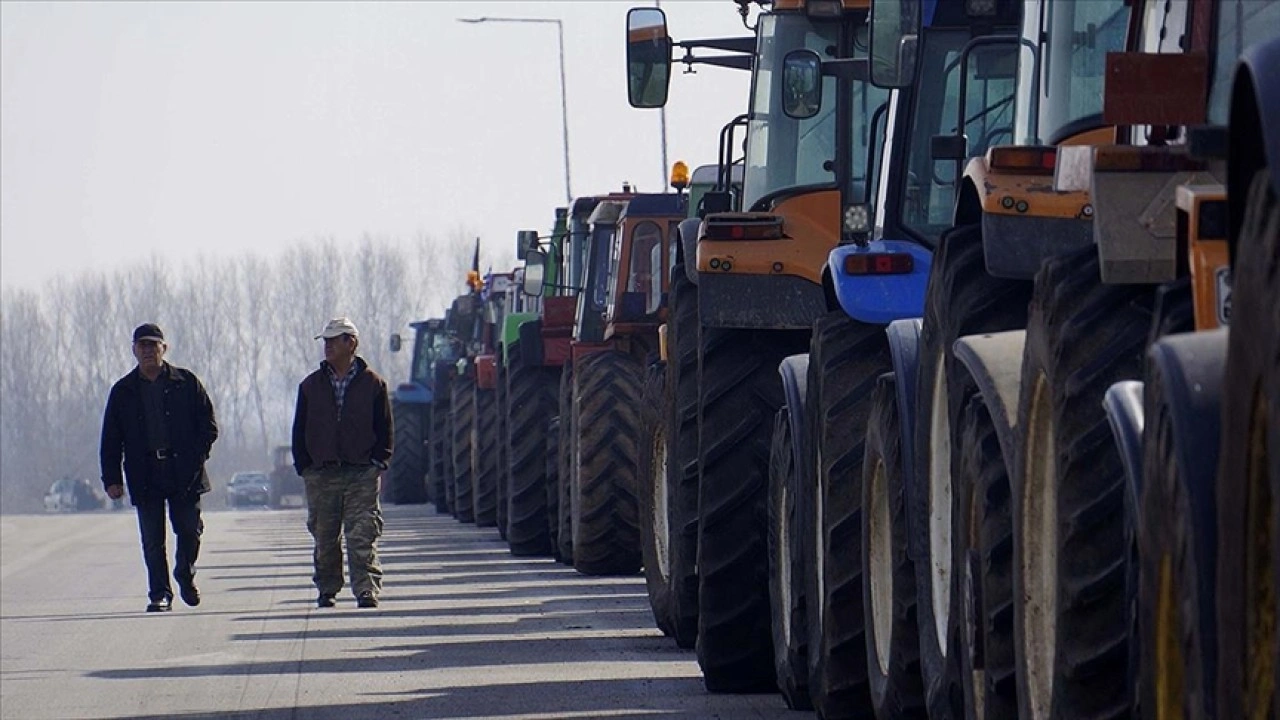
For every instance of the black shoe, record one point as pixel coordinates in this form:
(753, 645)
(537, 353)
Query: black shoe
(367, 599)
(326, 600)
(190, 594)
(164, 604)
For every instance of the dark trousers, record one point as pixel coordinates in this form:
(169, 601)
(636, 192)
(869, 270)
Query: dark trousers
(184, 515)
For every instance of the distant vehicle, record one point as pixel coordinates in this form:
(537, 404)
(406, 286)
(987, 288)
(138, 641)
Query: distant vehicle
(248, 489)
(74, 495)
(287, 488)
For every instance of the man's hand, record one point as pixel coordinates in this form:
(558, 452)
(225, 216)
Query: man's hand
(115, 492)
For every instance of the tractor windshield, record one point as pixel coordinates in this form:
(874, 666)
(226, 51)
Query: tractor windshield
(784, 152)
(424, 355)
(1241, 23)
(988, 120)
(1072, 64)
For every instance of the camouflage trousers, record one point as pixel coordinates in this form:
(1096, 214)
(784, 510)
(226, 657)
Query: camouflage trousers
(343, 500)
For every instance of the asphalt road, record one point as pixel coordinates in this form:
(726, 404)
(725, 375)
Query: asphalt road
(465, 630)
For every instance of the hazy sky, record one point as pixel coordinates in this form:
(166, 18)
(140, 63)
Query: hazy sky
(182, 128)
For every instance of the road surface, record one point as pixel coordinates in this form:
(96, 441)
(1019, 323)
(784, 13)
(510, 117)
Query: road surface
(465, 630)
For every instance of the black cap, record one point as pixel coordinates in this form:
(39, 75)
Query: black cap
(149, 331)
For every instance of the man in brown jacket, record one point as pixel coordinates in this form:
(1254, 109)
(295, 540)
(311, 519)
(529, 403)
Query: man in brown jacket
(341, 444)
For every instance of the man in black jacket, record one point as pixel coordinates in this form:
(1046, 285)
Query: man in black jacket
(342, 441)
(160, 422)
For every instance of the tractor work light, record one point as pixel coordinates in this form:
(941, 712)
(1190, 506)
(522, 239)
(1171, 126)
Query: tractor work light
(857, 218)
(1031, 160)
(744, 227)
(879, 264)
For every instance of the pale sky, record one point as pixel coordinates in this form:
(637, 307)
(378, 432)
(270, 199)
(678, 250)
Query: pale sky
(181, 128)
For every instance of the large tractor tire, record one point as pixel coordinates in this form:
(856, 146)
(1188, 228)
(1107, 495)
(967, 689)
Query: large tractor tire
(441, 440)
(552, 464)
(463, 429)
(983, 561)
(651, 476)
(680, 408)
(606, 418)
(504, 451)
(1249, 471)
(564, 475)
(739, 394)
(484, 477)
(962, 299)
(889, 578)
(1070, 591)
(530, 398)
(846, 358)
(786, 562)
(407, 476)
(1177, 536)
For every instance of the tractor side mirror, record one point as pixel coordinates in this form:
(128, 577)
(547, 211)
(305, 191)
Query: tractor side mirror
(801, 84)
(535, 263)
(895, 42)
(526, 240)
(648, 58)
(395, 342)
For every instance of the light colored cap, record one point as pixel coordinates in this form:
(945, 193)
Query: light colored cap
(338, 326)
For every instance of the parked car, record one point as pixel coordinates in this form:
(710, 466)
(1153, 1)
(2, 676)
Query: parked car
(74, 495)
(248, 489)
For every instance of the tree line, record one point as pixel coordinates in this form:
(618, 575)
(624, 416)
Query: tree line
(244, 325)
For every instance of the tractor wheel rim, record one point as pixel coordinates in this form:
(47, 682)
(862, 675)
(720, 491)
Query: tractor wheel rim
(880, 556)
(1039, 538)
(940, 506)
(661, 505)
(783, 561)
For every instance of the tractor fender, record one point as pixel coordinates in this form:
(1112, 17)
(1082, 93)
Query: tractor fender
(794, 370)
(881, 299)
(995, 363)
(687, 235)
(1126, 415)
(904, 347)
(1191, 365)
(412, 392)
(1254, 126)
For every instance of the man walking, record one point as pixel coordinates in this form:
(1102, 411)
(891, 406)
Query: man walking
(160, 423)
(341, 444)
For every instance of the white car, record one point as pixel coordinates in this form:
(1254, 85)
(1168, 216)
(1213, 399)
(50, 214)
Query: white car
(248, 489)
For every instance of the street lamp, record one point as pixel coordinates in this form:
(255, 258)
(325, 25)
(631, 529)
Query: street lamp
(564, 100)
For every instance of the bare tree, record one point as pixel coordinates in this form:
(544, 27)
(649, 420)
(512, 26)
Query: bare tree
(244, 325)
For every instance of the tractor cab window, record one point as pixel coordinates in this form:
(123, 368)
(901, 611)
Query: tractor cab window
(1241, 23)
(785, 152)
(424, 355)
(990, 80)
(644, 239)
(1073, 62)
(600, 277)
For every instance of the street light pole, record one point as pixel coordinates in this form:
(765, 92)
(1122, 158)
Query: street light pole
(662, 122)
(564, 95)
